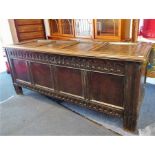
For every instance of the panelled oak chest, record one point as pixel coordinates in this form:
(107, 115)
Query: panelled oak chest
(105, 77)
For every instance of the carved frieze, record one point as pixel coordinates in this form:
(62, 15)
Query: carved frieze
(102, 65)
(85, 103)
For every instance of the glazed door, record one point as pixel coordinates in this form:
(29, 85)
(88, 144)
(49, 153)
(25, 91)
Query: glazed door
(83, 28)
(55, 27)
(109, 29)
(67, 27)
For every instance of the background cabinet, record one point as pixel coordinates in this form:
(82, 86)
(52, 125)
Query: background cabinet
(72, 29)
(99, 29)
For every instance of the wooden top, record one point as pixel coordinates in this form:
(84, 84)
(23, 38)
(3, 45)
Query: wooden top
(138, 52)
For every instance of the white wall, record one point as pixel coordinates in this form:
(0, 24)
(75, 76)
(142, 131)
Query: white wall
(47, 28)
(13, 30)
(5, 33)
(5, 38)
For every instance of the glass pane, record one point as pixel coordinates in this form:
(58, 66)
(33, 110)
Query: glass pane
(55, 26)
(83, 27)
(67, 26)
(107, 27)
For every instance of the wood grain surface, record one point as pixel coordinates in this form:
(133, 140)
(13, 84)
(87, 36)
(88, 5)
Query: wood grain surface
(121, 51)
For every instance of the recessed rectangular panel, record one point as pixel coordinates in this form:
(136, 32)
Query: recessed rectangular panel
(69, 80)
(107, 88)
(21, 70)
(41, 74)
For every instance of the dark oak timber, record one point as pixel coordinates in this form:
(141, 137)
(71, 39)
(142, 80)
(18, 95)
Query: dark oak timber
(105, 77)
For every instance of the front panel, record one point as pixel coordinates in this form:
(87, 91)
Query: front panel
(41, 74)
(69, 80)
(21, 71)
(107, 88)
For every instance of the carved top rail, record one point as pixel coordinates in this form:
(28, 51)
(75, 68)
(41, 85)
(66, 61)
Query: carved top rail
(114, 67)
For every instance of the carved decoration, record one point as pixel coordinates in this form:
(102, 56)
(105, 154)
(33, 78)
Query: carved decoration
(85, 103)
(102, 65)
